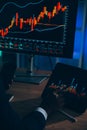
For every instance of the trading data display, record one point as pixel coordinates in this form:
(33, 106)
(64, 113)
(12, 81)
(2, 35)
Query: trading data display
(41, 27)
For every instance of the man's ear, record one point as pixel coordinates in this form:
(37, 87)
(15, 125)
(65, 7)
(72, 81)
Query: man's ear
(7, 73)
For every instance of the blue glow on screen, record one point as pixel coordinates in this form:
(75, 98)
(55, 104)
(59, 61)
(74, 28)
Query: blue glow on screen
(78, 33)
(80, 12)
(85, 49)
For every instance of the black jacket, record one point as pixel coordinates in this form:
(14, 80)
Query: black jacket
(10, 120)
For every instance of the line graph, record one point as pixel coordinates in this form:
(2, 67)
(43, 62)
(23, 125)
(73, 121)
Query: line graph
(38, 30)
(38, 26)
(19, 6)
(34, 21)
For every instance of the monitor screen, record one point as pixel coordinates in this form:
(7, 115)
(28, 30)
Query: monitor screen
(40, 27)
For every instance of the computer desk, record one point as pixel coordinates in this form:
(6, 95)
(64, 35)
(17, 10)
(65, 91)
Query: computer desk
(28, 96)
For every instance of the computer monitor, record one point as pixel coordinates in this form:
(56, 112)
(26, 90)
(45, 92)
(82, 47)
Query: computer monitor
(38, 27)
(41, 27)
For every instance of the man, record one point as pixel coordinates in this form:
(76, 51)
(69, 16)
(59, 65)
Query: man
(10, 120)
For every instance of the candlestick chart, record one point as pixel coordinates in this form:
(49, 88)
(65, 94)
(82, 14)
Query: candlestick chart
(35, 25)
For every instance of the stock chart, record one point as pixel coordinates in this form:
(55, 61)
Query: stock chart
(39, 26)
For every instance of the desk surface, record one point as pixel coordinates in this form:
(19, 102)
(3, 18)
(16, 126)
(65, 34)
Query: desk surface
(27, 98)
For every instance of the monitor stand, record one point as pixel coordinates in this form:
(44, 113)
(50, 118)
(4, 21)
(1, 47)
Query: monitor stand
(29, 76)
